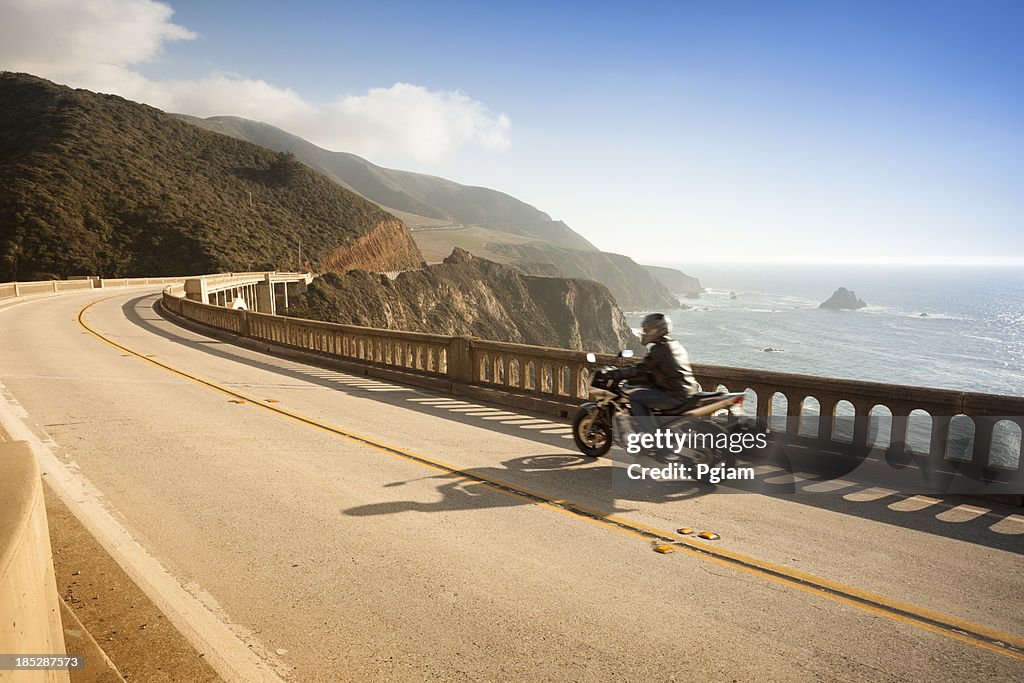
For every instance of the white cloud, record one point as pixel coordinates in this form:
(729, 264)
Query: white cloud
(95, 44)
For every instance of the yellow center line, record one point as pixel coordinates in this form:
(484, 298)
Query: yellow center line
(929, 620)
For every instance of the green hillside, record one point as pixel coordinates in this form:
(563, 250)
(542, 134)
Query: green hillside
(96, 184)
(414, 193)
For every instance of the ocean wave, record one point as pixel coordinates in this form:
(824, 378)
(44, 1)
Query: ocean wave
(983, 338)
(903, 313)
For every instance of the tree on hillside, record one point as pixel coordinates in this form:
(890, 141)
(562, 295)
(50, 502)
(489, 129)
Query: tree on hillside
(285, 168)
(11, 251)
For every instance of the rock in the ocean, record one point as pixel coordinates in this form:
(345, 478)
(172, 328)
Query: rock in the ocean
(732, 295)
(843, 298)
(923, 315)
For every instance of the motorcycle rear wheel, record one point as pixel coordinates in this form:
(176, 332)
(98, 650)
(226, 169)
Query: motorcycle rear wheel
(592, 434)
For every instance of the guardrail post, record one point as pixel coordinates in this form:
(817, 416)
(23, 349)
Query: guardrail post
(460, 360)
(243, 324)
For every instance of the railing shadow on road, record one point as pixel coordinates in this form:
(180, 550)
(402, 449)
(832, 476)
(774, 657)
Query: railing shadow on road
(592, 483)
(971, 520)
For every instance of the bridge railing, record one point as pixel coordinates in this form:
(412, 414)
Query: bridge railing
(423, 354)
(11, 290)
(965, 428)
(984, 430)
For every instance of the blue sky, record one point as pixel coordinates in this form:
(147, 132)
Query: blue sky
(674, 132)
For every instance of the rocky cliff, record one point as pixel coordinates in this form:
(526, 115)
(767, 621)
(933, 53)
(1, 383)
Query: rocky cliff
(632, 285)
(467, 295)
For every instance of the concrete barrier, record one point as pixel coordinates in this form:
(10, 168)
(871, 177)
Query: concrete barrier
(16, 290)
(30, 620)
(216, 282)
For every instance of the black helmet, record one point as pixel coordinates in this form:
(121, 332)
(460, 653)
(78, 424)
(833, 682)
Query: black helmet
(654, 327)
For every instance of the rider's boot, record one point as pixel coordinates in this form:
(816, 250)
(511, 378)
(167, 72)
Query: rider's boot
(625, 427)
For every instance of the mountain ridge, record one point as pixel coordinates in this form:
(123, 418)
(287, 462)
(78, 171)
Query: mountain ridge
(521, 236)
(414, 193)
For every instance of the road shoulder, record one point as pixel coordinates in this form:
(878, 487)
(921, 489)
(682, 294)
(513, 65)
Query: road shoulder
(140, 641)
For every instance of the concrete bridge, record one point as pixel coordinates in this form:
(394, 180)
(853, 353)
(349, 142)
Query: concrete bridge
(324, 502)
(265, 292)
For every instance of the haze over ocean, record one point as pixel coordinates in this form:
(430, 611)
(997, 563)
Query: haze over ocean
(971, 340)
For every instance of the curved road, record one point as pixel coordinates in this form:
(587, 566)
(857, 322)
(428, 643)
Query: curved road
(303, 523)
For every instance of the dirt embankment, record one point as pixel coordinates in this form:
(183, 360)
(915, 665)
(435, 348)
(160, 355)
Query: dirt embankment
(387, 246)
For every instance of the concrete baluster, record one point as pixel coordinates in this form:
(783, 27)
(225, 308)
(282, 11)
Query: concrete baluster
(900, 422)
(826, 416)
(794, 411)
(862, 410)
(763, 412)
(940, 438)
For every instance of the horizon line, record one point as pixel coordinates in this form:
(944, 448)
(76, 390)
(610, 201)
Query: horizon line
(987, 262)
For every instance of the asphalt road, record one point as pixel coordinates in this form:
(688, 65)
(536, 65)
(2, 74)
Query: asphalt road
(281, 544)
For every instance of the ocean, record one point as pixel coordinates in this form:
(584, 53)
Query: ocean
(971, 338)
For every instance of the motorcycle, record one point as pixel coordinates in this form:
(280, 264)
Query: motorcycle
(594, 430)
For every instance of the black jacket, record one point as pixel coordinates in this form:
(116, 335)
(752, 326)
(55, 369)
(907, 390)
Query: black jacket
(666, 366)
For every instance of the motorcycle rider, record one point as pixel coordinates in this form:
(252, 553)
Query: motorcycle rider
(663, 380)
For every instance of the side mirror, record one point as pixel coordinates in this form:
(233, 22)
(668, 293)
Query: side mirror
(591, 358)
(626, 353)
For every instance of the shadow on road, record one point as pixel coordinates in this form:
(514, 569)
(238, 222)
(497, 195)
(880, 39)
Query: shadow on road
(592, 481)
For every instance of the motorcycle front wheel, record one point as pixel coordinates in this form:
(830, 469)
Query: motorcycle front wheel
(592, 434)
